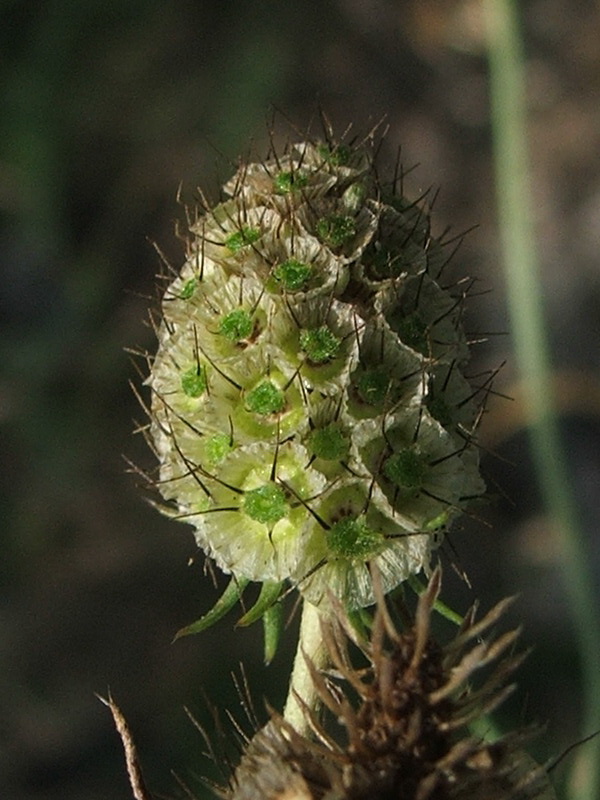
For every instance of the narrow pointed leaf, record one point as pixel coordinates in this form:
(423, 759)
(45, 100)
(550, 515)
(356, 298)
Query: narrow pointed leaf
(228, 599)
(361, 621)
(269, 593)
(272, 627)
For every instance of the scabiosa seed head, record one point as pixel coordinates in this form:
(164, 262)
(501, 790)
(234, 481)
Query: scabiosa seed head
(310, 411)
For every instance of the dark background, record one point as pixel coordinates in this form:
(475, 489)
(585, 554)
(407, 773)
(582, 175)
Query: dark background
(106, 108)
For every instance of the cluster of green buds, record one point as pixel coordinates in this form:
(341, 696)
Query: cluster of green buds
(310, 411)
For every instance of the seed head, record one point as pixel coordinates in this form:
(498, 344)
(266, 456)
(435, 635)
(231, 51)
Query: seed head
(309, 407)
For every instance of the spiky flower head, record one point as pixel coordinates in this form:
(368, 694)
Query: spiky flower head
(398, 723)
(309, 408)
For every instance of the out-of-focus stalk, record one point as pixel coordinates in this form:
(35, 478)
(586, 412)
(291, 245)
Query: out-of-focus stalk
(533, 360)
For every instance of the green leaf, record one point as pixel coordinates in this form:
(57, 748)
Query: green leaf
(362, 622)
(228, 599)
(269, 593)
(272, 627)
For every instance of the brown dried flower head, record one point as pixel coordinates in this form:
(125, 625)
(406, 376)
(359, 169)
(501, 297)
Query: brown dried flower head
(405, 718)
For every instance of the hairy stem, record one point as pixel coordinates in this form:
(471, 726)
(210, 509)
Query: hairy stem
(310, 645)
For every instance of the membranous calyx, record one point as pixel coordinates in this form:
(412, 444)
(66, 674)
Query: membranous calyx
(309, 410)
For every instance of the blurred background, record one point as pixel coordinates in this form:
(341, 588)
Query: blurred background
(107, 107)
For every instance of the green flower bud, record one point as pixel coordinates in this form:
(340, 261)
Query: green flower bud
(292, 274)
(236, 325)
(290, 181)
(406, 468)
(329, 443)
(353, 538)
(335, 230)
(265, 504)
(193, 382)
(320, 344)
(265, 399)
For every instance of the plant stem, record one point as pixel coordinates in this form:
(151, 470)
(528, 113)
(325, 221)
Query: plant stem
(442, 609)
(310, 645)
(531, 349)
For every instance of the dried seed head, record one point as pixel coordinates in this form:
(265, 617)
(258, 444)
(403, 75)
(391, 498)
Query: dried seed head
(398, 727)
(309, 408)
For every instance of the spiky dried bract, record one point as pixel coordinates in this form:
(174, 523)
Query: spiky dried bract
(309, 407)
(397, 727)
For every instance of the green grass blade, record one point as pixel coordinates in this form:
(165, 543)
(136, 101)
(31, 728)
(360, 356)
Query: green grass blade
(532, 354)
